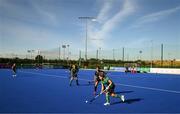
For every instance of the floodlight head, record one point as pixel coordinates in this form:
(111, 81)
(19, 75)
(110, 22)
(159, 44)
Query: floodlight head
(94, 19)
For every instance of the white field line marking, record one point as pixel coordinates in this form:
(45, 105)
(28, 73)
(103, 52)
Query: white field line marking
(149, 88)
(47, 75)
(50, 75)
(157, 89)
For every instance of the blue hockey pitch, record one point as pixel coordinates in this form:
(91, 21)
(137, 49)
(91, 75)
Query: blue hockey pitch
(48, 91)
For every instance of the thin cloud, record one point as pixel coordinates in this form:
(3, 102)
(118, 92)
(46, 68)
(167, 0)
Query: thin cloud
(155, 17)
(44, 12)
(33, 12)
(111, 23)
(102, 16)
(14, 10)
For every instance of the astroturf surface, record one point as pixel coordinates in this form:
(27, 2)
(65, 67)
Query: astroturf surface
(48, 91)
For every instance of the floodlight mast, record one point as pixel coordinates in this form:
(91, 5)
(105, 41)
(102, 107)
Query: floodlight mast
(86, 20)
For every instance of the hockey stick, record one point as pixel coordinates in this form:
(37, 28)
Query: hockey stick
(94, 98)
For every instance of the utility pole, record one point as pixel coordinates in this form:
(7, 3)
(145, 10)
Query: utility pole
(86, 20)
(151, 53)
(59, 52)
(64, 46)
(68, 52)
(97, 54)
(113, 54)
(123, 54)
(161, 55)
(80, 58)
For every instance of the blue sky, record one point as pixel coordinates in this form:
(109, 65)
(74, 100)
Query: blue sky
(47, 24)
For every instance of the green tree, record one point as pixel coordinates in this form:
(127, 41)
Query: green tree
(39, 59)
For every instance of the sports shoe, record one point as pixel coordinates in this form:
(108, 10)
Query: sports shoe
(122, 98)
(106, 104)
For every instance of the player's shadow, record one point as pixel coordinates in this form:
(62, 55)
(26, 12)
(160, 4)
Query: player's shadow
(128, 101)
(120, 92)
